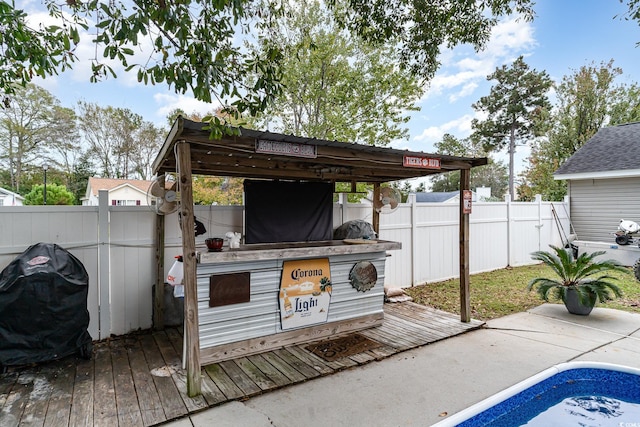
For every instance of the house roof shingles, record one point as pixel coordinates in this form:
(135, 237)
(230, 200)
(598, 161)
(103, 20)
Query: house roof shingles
(436, 197)
(615, 148)
(109, 184)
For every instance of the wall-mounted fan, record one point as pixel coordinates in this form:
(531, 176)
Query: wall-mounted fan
(164, 199)
(388, 201)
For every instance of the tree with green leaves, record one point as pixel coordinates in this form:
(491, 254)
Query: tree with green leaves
(514, 109)
(586, 100)
(197, 46)
(626, 105)
(56, 195)
(492, 175)
(120, 142)
(82, 171)
(335, 87)
(191, 46)
(32, 125)
(420, 30)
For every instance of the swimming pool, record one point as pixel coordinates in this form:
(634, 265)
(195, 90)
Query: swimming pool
(568, 394)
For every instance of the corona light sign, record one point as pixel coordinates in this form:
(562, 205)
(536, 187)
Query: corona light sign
(305, 292)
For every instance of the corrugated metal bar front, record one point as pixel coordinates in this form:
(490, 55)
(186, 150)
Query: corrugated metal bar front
(261, 316)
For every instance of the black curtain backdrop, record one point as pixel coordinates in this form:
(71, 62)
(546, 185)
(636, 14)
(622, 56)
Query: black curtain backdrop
(288, 211)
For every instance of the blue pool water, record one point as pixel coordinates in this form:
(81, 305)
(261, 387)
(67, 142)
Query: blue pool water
(573, 394)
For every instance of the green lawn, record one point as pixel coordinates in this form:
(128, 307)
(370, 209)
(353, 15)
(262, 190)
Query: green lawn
(501, 292)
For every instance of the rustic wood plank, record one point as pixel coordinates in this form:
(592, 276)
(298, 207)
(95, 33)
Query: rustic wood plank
(278, 378)
(177, 340)
(409, 332)
(60, 401)
(158, 300)
(273, 342)
(324, 367)
(390, 336)
(83, 394)
(126, 398)
(194, 373)
(17, 398)
(313, 359)
(383, 352)
(432, 315)
(7, 381)
(378, 334)
(242, 380)
(179, 376)
(35, 409)
(104, 400)
(429, 321)
(435, 324)
(414, 333)
(95, 392)
(300, 365)
(223, 381)
(170, 398)
(148, 398)
(362, 358)
(210, 391)
(287, 370)
(256, 375)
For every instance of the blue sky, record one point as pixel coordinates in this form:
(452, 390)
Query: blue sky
(565, 35)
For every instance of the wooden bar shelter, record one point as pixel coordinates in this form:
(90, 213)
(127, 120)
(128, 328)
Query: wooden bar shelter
(188, 150)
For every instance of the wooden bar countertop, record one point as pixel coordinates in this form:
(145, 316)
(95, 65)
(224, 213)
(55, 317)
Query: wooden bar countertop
(285, 250)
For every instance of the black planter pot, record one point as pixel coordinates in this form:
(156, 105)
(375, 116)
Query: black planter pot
(574, 306)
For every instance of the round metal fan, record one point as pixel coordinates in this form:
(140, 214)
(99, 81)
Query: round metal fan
(162, 195)
(388, 201)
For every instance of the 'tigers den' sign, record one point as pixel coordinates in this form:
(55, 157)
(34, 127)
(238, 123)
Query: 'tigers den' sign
(422, 162)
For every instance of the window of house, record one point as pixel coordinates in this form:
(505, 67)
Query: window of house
(125, 202)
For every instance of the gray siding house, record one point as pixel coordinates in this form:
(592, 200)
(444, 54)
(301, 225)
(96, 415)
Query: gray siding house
(603, 179)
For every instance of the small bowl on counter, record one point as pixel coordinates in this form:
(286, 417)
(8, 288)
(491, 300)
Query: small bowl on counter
(214, 244)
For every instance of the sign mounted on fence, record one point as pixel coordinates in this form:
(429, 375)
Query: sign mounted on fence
(422, 162)
(305, 292)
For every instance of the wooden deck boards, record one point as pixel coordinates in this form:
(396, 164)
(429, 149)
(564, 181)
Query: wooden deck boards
(137, 380)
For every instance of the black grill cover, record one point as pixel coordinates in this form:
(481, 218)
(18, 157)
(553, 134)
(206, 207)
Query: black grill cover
(43, 307)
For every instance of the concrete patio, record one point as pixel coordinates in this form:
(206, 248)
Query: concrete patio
(423, 386)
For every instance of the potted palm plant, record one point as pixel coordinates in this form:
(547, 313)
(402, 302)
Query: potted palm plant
(580, 282)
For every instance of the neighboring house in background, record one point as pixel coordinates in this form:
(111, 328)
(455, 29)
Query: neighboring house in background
(603, 182)
(9, 198)
(122, 192)
(444, 197)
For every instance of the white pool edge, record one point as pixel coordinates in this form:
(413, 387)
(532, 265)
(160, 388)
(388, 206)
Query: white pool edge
(505, 394)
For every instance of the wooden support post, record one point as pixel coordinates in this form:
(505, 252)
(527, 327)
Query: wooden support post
(104, 271)
(376, 214)
(158, 302)
(194, 376)
(465, 299)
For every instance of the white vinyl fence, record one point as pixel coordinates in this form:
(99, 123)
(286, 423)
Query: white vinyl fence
(116, 245)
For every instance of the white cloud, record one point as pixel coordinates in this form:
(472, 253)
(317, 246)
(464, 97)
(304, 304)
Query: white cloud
(170, 102)
(460, 127)
(459, 78)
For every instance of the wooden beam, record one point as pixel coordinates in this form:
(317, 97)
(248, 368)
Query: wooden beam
(158, 301)
(297, 337)
(194, 377)
(465, 300)
(376, 215)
